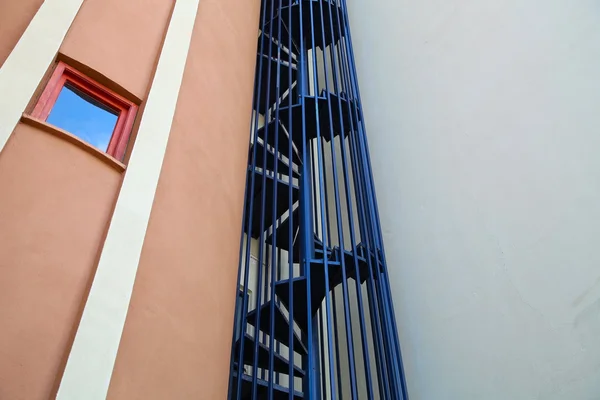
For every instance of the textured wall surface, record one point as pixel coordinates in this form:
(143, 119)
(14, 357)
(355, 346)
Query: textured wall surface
(177, 338)
(120, 39)
(14, 18)
(55, 203)
(483, 124)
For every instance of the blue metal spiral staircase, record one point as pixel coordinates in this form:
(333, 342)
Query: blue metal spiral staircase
(314, 313)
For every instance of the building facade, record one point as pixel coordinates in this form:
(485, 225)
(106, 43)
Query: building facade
(80, 226)
(122, 272)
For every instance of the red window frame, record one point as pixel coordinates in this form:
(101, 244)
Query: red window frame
(125, 109)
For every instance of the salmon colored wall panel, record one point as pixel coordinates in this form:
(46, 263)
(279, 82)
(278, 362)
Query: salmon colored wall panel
(119, 39)
(177, 338)
(14, 18)
(55, 203)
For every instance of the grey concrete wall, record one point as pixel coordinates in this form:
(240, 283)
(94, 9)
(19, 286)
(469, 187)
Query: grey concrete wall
(483, 119)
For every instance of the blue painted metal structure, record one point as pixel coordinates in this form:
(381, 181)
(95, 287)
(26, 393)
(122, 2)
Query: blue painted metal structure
(316, 310)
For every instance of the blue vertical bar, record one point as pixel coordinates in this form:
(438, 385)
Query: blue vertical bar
(274, 264)
(323, 381)
(306, 229)
(246, 262)
(314, 319)
(337, 347)
(291, 214)
(259, 295)
(321, 198)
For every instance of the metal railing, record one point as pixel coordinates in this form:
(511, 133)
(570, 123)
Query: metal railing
(320, 323)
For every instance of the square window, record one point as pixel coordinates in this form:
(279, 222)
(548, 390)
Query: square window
(79, 105)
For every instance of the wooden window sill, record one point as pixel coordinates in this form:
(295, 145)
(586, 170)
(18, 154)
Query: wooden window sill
(69, 137)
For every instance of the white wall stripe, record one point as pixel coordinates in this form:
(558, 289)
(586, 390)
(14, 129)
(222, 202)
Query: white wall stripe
(91, 361)
(26, 65)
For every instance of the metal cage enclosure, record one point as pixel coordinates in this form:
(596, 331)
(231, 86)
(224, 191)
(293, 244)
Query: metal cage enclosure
(314, 315)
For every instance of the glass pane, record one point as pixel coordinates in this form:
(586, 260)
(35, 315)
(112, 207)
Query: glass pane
(84, 117)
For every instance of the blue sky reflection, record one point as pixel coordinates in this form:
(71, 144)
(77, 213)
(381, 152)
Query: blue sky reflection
(83, 117)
